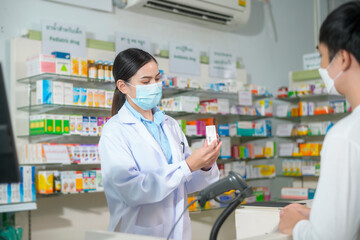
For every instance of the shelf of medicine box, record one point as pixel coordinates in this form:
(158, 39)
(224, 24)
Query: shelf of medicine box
(302, 176)
(211, 94)
(230, 160)
(76, 80)
(306, 138)
(66, 110)
(18, 207)
(177, 114)
(242, 138)
(312, 98)
(44, 164)
(312, 118)
(262, 178)
(46, 195)
(52, 138)
(301, 157)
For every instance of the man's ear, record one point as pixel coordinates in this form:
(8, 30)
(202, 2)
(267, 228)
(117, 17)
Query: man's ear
(120, 84)
(345, 59)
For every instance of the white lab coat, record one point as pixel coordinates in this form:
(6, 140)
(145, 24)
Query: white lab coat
(335, 212)
(142, 190)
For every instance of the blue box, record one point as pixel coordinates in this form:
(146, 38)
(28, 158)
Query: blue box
(62, 55)
(223, 130)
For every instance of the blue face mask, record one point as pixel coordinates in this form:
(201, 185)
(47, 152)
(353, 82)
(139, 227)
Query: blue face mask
(147, 96)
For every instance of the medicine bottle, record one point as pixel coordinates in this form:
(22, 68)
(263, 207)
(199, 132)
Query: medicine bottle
(100, 70)
(92, 70)
(111, 72)
(57, 182)
(107, 72)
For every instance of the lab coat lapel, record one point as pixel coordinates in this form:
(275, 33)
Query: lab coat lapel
(175, 145)
(129, 118)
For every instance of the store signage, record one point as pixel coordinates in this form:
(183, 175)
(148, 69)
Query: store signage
(56, 154)
(63, 37)
(311, 61)
(184, 59)
(245, 98)
(124, 41)
(222, 64)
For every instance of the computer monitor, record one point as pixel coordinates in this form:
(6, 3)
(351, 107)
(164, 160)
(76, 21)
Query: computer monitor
(9, 166)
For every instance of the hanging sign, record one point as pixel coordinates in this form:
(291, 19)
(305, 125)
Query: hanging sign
(184, 59)
(124, 41)
(63, 37)
(222, 64)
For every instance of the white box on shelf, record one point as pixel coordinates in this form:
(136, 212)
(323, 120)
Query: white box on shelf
(187, 103)
(108, 98)
(232, 129)
(58, 92)
(93, 126)
(191, 130)
(3, 193)
(99, 181)
(68, 93)
(40, 63)
(225, 151)
(284, 130)
(286, 149)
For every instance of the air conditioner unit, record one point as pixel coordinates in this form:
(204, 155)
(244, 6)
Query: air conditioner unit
(224, 15)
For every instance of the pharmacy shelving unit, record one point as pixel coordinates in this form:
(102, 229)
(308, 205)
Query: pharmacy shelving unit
(296, 79)
(21, 107)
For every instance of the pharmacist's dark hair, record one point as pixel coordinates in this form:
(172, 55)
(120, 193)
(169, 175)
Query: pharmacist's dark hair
(341, 30)
(126, 65)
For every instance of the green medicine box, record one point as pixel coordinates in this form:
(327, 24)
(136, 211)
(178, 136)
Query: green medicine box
(58, 125)
(41, 124)
(65, 124)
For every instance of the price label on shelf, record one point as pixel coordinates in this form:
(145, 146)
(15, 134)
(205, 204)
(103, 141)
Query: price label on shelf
(282, 110)
(308, 170)
(286, 149)
(56, 154)
(284, 130)
(245, 98)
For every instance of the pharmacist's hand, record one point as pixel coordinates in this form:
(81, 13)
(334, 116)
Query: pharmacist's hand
(204, 157)
(289, 217)
(305, 211)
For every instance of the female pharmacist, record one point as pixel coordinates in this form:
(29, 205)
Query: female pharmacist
(146, 163)
(335, 212)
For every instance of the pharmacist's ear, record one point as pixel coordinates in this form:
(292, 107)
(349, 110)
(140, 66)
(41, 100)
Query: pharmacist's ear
(121, 86)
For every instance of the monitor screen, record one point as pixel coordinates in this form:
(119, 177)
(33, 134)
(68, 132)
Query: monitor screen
(9, 167)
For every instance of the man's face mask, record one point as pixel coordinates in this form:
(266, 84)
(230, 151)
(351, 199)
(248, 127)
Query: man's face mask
(329, 82)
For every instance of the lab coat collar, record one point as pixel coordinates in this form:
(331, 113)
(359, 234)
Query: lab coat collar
(125, 116)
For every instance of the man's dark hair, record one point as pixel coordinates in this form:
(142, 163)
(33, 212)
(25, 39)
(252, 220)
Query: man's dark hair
(341, 30)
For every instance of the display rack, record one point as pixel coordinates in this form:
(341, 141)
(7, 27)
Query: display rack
(296, 79)
(18, 207)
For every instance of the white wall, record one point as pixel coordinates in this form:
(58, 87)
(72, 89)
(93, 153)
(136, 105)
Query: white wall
(267, 63)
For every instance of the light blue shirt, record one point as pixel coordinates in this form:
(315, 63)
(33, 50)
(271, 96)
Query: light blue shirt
(155, 128)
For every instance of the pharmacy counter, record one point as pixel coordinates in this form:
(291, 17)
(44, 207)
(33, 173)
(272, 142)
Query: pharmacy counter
(257, 221)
